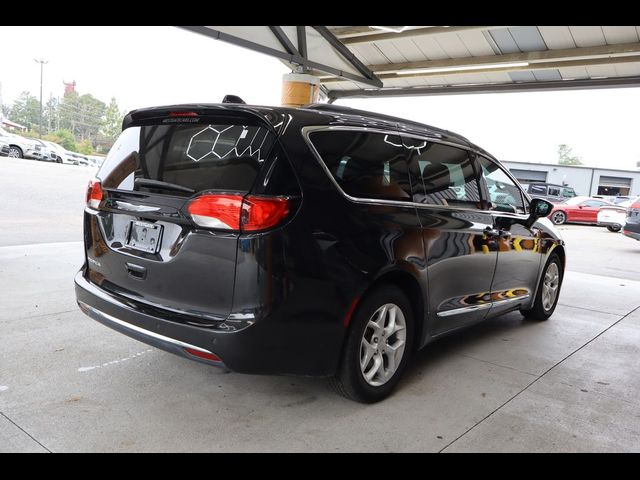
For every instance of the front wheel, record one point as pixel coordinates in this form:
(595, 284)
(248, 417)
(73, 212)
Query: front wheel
(614, 228)
(15, 152)
(558, 218)
(378, 346)
(548, 291)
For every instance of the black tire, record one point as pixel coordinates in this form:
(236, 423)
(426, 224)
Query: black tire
(15, 152)
(349, 381)
(559, 217)
(614, 228)
(538, 310)
(58, 160)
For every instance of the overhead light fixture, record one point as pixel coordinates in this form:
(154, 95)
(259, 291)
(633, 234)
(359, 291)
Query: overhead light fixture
(462, 68)
(390, 29)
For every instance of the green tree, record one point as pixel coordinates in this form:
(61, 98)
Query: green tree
(26, 110)
(112, 124)
(85, 146)
(81, 114)
(64, 138)
(565, 156)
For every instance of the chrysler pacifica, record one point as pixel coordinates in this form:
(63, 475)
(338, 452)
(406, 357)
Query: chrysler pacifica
(319, 241)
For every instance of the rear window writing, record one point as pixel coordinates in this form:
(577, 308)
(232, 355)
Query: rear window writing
(198, 157)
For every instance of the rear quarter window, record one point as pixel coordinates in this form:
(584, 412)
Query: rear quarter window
(364, 164)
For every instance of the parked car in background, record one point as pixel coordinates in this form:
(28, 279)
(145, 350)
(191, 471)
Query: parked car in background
(20, 147)
(632, 223)
(95, 160)
(577, 210)
(81, 159)
(4, 148)
(549, 191)
(614, 216)
(44, 152)
(321, 241)
(60, 154)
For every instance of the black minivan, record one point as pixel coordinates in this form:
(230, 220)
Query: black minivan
(319, 241)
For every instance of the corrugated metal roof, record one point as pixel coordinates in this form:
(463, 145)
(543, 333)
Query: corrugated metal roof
(409, 59)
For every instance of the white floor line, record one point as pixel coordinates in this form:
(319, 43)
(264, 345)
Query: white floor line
(114, 362)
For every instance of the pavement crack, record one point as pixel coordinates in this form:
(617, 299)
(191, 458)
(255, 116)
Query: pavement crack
(25, 432)
(591, 309)
(490, 414)
(47, 314)
(498, 365)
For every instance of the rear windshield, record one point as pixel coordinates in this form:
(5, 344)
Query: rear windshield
(197, 157)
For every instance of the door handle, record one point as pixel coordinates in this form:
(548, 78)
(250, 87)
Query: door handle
(136, 271)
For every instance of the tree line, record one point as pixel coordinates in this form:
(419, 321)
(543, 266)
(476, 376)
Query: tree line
(80, 123)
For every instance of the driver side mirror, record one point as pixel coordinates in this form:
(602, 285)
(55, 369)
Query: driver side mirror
(538, 208)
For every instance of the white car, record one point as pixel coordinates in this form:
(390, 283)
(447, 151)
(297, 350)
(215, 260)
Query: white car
(77, 158)
(614, 216)
(21, 147)
(4, 148)
(61, 154)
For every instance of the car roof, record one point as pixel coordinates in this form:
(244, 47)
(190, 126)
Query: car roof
(312, 114)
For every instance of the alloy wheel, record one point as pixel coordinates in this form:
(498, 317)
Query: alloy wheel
(383, 344)
(558, 218)
(550, 286)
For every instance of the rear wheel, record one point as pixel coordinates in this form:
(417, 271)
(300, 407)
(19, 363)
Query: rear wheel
(15, 152)
(559, 217)
(614, 228)
(378, 346)
(548, 291)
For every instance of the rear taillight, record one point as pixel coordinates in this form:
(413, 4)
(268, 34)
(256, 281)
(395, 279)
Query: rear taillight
(94, 193)
(235, 212)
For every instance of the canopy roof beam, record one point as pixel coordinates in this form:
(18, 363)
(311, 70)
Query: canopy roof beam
(580, 84)
(367, 77)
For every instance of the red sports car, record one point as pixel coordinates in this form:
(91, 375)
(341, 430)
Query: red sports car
(577, 210)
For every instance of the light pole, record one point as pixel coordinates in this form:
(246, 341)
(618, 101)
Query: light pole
(42, 62)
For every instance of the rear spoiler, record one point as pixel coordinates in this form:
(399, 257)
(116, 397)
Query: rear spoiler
(188, 113)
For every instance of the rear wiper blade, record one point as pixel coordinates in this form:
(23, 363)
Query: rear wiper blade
(147, 182)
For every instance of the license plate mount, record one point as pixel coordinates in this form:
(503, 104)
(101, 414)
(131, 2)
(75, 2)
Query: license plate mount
(144, 236)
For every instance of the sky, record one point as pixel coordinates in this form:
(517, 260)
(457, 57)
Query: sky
(147, 66)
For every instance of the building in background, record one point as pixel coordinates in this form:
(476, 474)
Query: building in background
(584, 180)
(12, 126)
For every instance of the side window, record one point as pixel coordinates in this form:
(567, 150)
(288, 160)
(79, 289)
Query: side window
(568, 192)
(593, 203)
(538, 190)
(365, 165)
(554, 191)
(444, 175)
(503, 192)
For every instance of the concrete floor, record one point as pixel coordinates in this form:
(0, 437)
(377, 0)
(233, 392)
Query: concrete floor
(69, 384)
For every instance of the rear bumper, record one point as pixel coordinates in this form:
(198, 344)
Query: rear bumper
(271, 345)
(630, 234)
